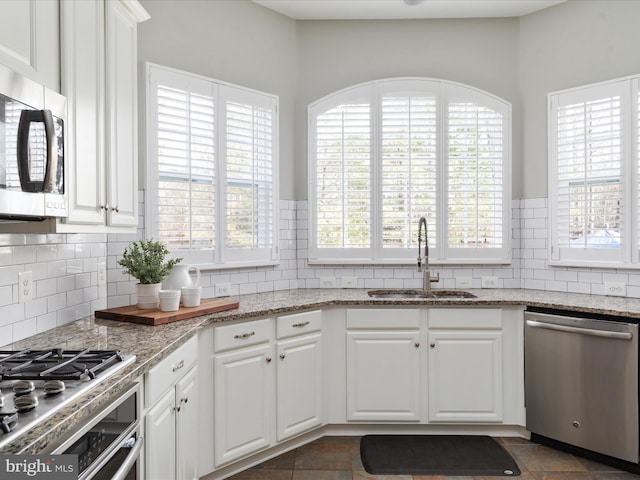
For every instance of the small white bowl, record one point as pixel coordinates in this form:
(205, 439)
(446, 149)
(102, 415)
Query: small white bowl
(191, 296)
(169, 300)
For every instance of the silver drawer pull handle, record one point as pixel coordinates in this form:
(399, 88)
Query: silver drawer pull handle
(178, 366)
(301, 324)
(244, 335)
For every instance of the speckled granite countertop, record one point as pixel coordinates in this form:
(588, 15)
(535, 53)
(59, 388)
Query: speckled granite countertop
(152, 344)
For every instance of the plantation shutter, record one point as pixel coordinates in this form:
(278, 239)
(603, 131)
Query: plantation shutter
(408, 170)
(587, 139)
(343, 177)
(476, 162)
(185, 166)
(250, 123)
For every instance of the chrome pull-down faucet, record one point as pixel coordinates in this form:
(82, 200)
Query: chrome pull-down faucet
(426, 275)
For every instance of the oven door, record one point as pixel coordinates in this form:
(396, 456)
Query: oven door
(109, 446)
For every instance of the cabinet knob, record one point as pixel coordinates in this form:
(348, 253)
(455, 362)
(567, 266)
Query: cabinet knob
(268, 359)
(115, 209)
(177, 409)
(433, 345)
(282, 356)
(103, 207)
(184, 399)
(417, 344)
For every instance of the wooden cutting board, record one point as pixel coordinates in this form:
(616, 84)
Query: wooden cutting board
(155, 316)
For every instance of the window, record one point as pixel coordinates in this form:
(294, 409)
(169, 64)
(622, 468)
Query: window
(593, 174)
(385, 153)
(212, 169)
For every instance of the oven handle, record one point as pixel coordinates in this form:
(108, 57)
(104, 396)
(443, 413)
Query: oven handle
(131, 459)
(582, 331)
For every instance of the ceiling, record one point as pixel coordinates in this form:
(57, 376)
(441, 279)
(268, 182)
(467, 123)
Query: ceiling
(403, 9)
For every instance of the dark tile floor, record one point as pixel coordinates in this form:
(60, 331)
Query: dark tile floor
(338, 458)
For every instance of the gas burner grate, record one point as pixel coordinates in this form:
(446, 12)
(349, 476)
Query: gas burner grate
(55, 364)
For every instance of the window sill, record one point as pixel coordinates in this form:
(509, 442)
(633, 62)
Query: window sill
(204, 267)
(602, 265)
(407, 262)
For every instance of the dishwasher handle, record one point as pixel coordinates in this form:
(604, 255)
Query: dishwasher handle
(581, 331)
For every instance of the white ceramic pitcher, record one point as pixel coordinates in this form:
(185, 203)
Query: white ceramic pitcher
(180, 278)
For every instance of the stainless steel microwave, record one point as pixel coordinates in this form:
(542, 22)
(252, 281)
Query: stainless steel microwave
(32, 147)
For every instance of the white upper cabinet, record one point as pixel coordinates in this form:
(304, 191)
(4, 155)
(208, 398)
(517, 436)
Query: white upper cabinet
(29, 39)
(99, 78)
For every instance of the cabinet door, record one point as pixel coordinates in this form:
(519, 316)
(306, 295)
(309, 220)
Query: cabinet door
(29, 39)
(298, 385)
(121, 108)
(243, 402)
(383, 376)
(465, 376)
(187, 426)
(160, 438)
(82, 45)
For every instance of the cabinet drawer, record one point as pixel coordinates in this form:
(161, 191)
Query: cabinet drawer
(170, 370)
(452, 318)
(384, 318)
(298, 324)
(242, 334)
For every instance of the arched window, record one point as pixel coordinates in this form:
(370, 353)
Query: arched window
(385, 153)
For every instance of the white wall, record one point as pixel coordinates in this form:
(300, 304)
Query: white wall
(235, 41)
(571, 44)
(336, 54)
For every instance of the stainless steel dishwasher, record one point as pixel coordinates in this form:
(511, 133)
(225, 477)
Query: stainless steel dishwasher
(581, 383)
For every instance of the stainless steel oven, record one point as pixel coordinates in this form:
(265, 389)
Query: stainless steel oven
(109, 446)
(32, 149)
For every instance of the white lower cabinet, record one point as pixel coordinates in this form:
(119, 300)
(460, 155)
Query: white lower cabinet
(171, 448)
(383, 365)
(172, 418)
(243, 399)
(465, 365)
(299, 377)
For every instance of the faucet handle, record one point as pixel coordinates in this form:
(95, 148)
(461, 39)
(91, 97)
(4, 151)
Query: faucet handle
(419, 263)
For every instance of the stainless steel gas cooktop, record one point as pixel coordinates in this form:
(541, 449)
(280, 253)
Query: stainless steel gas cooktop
(34, 384)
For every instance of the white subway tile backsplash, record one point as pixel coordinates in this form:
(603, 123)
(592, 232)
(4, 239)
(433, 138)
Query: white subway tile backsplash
(64, 268)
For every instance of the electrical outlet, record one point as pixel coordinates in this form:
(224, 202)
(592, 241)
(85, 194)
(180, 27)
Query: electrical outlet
(616, 289)
(349, 282)
(25, 286)
(327, 282)
(102, 274)
(223, 289)
(489, 282)
(464, 282)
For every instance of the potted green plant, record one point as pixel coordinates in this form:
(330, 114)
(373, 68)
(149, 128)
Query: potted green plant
(146, 261)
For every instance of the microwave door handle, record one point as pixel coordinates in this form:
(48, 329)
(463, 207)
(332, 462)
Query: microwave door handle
(51, 167)
(27, 117)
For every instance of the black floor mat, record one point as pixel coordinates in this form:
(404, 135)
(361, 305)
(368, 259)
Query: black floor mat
(458, 455)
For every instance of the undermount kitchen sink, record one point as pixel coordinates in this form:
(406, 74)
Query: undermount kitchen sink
(432, 294)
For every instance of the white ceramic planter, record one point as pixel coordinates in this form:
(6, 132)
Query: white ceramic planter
(148, 295)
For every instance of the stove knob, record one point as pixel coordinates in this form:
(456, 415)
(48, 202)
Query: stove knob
(53, 387)
(23, 387)
(24, 403)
